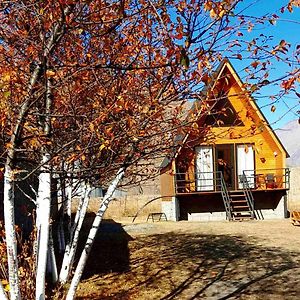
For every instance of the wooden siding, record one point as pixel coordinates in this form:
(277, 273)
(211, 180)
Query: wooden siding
(269, 153)
(167, 186)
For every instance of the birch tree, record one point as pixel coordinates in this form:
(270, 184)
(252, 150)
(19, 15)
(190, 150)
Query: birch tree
(92, 234)
(43, 201)
(70, 251)
(48, 46)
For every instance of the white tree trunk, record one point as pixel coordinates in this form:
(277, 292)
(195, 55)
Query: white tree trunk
(10, 233)
(52, 259)
(68, 208)
(43, 217)
(2, 292)
(72, 245)
(92, 234)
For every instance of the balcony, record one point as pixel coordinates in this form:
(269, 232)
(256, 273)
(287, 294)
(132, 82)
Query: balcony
(208, 182)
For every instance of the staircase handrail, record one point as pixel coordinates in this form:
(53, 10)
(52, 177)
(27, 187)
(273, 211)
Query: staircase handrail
(248, 194)
(225, 195)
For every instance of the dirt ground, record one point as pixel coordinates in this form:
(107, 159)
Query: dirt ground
(194, 260)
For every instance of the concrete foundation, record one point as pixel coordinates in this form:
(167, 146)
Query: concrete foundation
(214, 216)
(279, 212)
(171, 209)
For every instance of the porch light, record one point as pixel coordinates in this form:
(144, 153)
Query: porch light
(275, 153)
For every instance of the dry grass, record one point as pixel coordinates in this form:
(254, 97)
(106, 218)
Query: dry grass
(185, 260)
(125, 206)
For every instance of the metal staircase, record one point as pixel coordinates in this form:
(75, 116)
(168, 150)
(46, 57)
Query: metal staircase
(239, 205)
(241, 210)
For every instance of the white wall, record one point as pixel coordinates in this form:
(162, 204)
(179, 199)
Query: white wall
(294, 192)
(171, 209)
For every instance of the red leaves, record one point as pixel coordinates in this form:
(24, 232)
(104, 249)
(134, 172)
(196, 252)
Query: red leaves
(249, 115)
(205, 78)
(170, 52)
(283, 43)
(181, 6)
(273, 108)
(217, 9)
(292, 3)
(272, 21)
(67, 2)
(208, 5)
(255, 64)
(282, 47)
(288, 84)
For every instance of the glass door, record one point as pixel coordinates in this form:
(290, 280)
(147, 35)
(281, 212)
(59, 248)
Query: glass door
(245, 165)
(225, 163)
(204, 168)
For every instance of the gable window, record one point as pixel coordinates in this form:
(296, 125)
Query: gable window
(222, 113)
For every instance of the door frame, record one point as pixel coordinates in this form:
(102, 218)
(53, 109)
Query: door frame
(236, 163)
(213, 179)
(231, 162)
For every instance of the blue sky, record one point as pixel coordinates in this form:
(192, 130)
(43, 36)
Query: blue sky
(286, 28)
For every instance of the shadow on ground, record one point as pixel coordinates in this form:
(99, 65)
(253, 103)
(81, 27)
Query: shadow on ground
(110, 252)
(188, 266)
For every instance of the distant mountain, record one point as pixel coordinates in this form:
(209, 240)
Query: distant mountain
(290, 138)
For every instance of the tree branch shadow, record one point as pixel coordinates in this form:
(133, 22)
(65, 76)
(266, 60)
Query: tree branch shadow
(193, 266)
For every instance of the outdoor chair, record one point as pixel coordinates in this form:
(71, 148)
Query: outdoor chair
(271, 181)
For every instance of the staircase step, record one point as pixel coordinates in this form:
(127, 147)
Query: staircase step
(237, 196)
(239, 201)
(241, 206)
(242, 217)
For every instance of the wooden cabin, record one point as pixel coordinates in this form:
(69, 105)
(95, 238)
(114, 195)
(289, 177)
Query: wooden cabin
(230, 164)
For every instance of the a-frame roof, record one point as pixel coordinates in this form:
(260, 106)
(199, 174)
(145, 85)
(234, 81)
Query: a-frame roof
(253, 103)
(221, 69)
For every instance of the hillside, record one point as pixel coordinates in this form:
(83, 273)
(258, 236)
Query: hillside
(290, 138)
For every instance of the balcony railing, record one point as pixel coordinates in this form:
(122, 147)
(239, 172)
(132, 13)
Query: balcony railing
(260, 179)
(197, 182)
(269, 178)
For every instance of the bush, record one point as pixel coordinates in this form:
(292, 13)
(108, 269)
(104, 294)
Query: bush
(26, 263)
